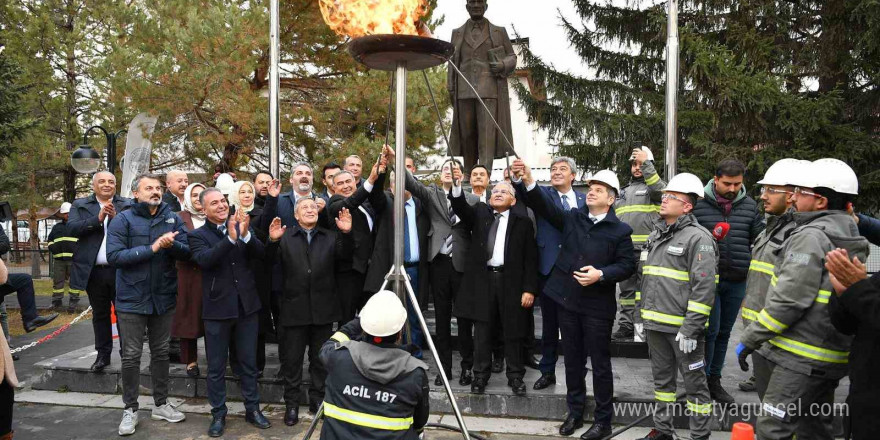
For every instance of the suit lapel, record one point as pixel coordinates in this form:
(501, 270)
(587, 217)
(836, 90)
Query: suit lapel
(581, 199)
(511, 220)
(442, 203)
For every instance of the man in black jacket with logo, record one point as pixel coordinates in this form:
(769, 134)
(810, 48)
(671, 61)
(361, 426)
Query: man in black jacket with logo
(726, 202)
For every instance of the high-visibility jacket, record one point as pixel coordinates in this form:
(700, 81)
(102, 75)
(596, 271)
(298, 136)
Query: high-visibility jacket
(794, 328)
(678, 270)
(765, 255)
(62, 243)
(372, 392)
(639, 204)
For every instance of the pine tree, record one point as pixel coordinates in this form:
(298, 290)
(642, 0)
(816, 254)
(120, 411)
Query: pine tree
(761, 80)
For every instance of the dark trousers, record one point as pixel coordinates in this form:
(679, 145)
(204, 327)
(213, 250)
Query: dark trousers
(189, 350)
(445, 281)
(728, 299)
(583, 336)
(218, 334)
(131, 331)
(477, 130)
(7, 398)
(101, 289)
(350, 285)
(293, 342)
(23, 286)
(416, 335)
(260, 351)
(549, 331)
(511, 336)
(61, 275)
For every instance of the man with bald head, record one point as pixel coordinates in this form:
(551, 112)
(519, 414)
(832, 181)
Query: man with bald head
(92, 273)
(175, 183)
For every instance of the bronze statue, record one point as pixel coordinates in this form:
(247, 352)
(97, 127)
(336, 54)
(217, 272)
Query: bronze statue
(485, 56)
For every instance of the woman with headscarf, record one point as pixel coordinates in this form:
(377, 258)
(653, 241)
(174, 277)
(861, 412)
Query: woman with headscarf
(242, 197)
(187, 323)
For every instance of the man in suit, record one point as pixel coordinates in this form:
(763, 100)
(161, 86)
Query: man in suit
(500, 280)
(447, 253)
(23, 286)
(327, 173)
(354, 165)
(562, 175)
(597, 252)
(349, 195)
(224, 248)
(480, 181)
(301, 181)
(415, 256)
(92, 272)
(175, 182)
(309, 256)
(484, 54)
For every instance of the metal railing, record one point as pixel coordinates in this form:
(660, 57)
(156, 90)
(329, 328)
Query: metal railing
(36, 263)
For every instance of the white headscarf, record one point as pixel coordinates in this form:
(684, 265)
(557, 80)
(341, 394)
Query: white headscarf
(235, 201)
(198, 217)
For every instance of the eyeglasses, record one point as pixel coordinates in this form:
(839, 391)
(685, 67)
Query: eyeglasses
(668, 196)
(800, 190)
(768, 190)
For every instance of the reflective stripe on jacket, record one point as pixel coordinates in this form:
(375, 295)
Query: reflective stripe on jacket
(765, 255)
(794, 328)
(61, 242)
(639, 204)
(678, 278)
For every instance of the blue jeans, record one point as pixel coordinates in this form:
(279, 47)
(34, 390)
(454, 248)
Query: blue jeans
(416, 333)
(728, 299)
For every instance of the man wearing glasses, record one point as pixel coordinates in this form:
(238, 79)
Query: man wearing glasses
(777, 192)
(678, 266)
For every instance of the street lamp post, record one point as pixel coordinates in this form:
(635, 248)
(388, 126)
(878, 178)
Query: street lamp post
(86, 160)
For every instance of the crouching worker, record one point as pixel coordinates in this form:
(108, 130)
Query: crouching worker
(374, 389)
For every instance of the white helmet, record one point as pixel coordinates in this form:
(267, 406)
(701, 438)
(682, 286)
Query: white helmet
(383, 315)
(646, 150)
(65, 208)
(781, 173)
(802, 173)
(835, 175)
(224, 184)
(686, 183)
(607, 177)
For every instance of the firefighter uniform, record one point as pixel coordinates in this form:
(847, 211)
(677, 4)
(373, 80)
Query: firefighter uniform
(373, 391)
(638, 207)
(62, 244)
(678, 268)
(793, 330)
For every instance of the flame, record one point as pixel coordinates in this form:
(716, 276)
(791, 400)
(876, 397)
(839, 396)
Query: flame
(356, 18)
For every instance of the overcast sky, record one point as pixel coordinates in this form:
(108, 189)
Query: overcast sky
(536, 20)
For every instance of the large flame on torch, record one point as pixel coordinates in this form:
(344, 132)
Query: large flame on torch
(357, 18)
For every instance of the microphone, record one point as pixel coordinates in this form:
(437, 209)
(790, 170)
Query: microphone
(720, 230)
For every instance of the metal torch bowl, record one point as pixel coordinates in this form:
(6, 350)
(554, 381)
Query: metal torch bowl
(385, 52)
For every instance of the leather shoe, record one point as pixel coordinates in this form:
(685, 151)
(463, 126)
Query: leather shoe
(545, 381)
(518, 386)
(570, 425)
(597, 432)
(257, 419)
(39, 321)
(498, 365)
(438, 381)
(291, 415)
(313, 407)
(218, 425)
(99, 365)
(531, 362)
(466, 378)
(478, 386)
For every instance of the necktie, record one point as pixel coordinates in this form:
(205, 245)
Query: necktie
(309, 236)
(565, 204)
(493, 231)
(222, 229)
(447, 244)
(407, 255)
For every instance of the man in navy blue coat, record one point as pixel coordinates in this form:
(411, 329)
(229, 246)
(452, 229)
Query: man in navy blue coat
(562, 175)
(597, 252)
(224, 248)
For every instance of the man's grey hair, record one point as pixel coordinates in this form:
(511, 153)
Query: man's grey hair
(340, 173)
(571, 163)
(302, 199)
(301, 163)
(137, 180)
(95, 176)
(206, 191)
(345, 162)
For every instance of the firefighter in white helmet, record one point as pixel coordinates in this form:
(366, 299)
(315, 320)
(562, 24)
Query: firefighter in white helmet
(374, 389)
(807, 356)
(777, 191)
(678, 266)
(639, 207)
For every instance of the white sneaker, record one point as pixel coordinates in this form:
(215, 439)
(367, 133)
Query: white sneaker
(167, 413)
(129, 422)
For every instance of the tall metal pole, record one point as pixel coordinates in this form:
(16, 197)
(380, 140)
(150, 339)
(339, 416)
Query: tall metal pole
(400, 176)
(672, 89)
(274, 84)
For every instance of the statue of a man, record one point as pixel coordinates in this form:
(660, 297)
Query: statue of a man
(485, 56)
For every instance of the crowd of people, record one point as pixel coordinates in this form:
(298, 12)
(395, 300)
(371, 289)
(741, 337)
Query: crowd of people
(242, 264)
